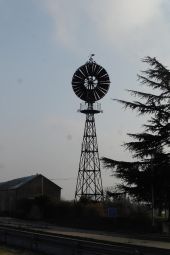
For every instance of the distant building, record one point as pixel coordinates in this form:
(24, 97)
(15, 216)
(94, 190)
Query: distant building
(26, 187)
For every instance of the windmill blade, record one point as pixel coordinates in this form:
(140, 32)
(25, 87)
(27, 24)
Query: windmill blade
(94, 65)
(89, 68)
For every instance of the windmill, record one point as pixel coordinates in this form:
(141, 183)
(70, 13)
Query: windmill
(90, 83)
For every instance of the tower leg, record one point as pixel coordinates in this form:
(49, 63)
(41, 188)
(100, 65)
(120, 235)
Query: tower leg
(89, 181)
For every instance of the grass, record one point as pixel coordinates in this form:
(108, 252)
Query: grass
(14, 251)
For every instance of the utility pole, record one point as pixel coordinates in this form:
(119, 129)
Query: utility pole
(152, 191)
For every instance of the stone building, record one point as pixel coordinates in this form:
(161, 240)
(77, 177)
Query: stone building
(26, 187)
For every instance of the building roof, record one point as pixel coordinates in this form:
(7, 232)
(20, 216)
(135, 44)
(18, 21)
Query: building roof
(17, 183)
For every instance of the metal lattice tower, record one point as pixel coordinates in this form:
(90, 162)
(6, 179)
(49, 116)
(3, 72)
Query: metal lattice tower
(89, 181)
(90, 82)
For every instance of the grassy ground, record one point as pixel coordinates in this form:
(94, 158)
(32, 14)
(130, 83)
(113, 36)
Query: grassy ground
(12, 251)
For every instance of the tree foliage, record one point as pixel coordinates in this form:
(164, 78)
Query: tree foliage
(151, 167)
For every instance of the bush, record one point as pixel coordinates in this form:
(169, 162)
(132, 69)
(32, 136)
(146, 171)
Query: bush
(86, 214)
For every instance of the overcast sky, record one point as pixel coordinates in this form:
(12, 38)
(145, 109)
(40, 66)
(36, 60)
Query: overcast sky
(42, 43)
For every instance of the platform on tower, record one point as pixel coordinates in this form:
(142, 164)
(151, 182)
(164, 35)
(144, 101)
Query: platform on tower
(92, 108)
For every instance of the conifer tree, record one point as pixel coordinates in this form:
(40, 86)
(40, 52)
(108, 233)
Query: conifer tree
(150, 168)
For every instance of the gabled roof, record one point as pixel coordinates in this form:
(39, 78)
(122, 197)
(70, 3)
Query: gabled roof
(17, 183)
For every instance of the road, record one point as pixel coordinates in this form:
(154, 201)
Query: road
(48, 238)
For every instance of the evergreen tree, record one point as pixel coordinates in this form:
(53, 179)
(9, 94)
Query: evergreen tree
(150, 170)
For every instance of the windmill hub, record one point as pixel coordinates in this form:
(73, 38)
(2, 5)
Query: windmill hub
(90, 82)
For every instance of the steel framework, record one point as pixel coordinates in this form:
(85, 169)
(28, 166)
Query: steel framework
(89, 181)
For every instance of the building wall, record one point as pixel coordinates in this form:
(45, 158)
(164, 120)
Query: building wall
(7, 200)
(3, 200)
(50, 189)
(37, 187)
(30, 189)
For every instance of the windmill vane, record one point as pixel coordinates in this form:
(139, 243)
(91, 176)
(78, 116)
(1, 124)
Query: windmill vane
(91, 58)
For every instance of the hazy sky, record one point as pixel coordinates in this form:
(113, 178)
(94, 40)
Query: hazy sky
(42, 43)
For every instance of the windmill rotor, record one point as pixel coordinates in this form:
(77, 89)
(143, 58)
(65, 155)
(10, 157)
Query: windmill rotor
(90, 82)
